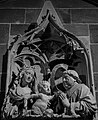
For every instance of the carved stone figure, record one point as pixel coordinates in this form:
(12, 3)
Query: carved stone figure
(81, 100)
(40, 107)
(19, 92)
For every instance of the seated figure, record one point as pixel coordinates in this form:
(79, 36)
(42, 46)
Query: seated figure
(19, 92)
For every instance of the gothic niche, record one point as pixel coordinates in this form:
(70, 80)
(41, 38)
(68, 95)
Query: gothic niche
(40, 55)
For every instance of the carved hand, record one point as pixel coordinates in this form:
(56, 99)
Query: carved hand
(64, 99)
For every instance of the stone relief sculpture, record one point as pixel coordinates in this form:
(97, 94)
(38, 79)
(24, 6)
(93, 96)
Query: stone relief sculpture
(36, 68)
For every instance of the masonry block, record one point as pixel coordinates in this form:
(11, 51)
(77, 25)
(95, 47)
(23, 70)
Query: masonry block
(71, 4)
(4, 33)
(97, 98)
(32, 15)
(2, 94)
(93, 33)
(3, 49)
(12, 15)
(0, 80)
(18, 29)
(96, 81)
(84, 15)
(94, 53)
(64, 15)
(97, 104)
(3, 82)
(77, 29)
(22, 3)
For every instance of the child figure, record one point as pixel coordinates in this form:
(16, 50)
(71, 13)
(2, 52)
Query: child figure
(40, 107)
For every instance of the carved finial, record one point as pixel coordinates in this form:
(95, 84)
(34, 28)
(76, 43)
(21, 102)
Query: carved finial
(48, 7)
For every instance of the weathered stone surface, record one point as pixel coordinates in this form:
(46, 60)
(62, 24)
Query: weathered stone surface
(97, 99)
(18, 29)
(77, 29)
(4, 33)
(22, 3)
(96, 81)
(84, 15)
(3, 49)
(94, 53)
(71, 4)
(12, 15)
(64, 15)
(93, 33)
(32, 15)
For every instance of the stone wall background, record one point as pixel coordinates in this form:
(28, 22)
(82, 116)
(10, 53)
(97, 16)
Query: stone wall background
(77, 16)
